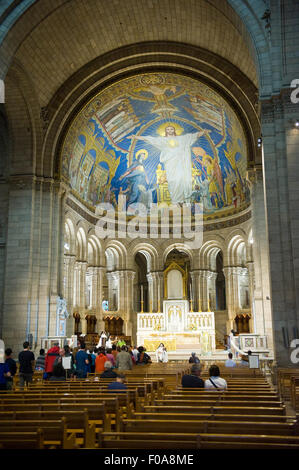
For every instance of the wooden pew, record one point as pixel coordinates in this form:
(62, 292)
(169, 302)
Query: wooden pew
(77, 422)
(54, 431)
(169, 407)
(22, 440)
(148, 440)
(245, 441)
(209, 426)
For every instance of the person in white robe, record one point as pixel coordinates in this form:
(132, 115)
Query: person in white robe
(161, 353)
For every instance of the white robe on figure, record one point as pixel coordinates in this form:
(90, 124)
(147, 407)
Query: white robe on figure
(161, 355)
(176, 157)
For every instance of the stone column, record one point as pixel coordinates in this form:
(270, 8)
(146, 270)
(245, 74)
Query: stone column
(212, 289)
(130, 320)
(195, 289)
(110, 279)
(232, 296)
(34, 259)
(82, 285)
(70, 261)
(261, 303)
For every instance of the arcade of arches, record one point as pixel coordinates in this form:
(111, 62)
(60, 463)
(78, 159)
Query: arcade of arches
(130, 108)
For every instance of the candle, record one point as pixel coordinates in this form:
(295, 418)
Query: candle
(191, 291)
(141, 293)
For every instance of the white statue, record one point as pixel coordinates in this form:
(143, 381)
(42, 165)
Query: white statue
(61, 309)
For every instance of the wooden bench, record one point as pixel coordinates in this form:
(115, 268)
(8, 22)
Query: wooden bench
(148, 440)
(22, 440)
(209, 426)
(245, 441)
(54, 431)
(179, 408)
(77, 422)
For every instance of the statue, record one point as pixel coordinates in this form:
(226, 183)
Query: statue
(61, 316)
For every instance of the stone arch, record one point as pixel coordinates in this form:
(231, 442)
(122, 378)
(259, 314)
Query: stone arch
(70, 235)
(234, 247)
(150, 253)
(208, 252)
(81, 246)
(181, 247)
(119, 251)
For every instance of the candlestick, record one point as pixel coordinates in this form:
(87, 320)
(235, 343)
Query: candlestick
(191, 307)
(141, 306)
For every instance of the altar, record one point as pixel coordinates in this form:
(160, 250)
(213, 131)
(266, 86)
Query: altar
(177, 328)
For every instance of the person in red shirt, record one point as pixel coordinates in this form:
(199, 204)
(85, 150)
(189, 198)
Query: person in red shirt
(52, 354)
(100, 360)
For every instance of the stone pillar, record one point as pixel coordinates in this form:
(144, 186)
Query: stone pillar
(261, 295)
(110, 279)
(130, 320)
(232, 296)
(34, 259)
(82, 285)
(195, 289)
(69, 261)
(212, 289)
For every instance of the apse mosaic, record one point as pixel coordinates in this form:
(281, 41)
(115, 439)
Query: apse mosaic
(158, 138)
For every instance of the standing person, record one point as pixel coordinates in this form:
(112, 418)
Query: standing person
(40, 362)
(93, 360)
(82, 362)
(51, 355)
(12, 365)
(124, 360)
(215, 382)
(135, 353)
(110, 357)
(100, 361)
(4, 375)
(26, 361)
(114, 352)
(193, 359)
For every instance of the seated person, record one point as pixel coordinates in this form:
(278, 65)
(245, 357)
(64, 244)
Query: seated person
(215, 382)
(245, 359)
(118, 384)
(229, 362)
(193, 380)
(108, 372)
(58, 373)
(142, 357)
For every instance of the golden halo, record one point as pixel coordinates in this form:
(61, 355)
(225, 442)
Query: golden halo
(162, 127)
(140, 152)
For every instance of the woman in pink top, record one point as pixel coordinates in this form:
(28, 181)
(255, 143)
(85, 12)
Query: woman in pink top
(110, 357)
